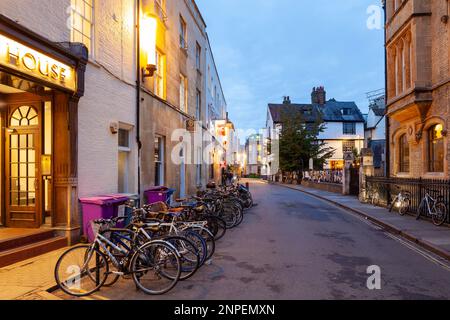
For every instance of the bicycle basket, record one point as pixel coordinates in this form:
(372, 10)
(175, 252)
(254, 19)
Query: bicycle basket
(100, 227)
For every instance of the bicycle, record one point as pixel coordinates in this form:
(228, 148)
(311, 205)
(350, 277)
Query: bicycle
(435, 207)
(154, 266)
(401, 202)
(373, 196)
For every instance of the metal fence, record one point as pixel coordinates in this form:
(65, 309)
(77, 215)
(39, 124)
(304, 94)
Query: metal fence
(388, 188)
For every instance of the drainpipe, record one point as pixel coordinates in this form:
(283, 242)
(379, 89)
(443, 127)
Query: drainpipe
(138, 91)
(388, 138)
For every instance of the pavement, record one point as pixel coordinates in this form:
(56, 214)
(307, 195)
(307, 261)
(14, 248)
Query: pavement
(30, 279)
(423, 233)
(294, 246)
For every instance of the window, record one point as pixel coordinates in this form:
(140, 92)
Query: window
(183, 93)
(198, 106)
(198, 57)
(348, 146)
(349, 128)
(347, 111)
(183, 33)
(159, 77)
(436, 148)
(403, 146)
(24, 116)
(83, 23)
(123, 164)
(159, 160)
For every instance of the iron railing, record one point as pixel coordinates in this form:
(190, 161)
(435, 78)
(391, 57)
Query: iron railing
(387, 188)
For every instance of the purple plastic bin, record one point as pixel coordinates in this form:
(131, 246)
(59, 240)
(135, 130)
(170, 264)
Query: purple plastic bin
(99, 208)
(156, 194)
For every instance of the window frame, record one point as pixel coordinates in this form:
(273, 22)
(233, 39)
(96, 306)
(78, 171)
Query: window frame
(183, 33)
(435, 165)
(184, 91)
(160, 164)
(198, 56)
(160, 75)
(345, 128)
(404, 154)
(73, 29)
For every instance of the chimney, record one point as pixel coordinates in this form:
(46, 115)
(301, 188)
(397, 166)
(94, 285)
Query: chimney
(319, 96)
(287, 100)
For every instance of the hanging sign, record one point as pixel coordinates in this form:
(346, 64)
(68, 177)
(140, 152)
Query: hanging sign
(28, 61)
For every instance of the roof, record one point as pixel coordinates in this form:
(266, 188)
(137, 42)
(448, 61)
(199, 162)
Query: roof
(277, 110)
(379, 112)
(330, 112)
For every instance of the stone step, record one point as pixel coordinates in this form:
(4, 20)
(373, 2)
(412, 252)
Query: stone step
(16, 241)
(17, 254)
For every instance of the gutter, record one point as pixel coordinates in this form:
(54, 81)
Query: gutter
(138, 91)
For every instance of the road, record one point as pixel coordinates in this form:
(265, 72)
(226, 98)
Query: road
(293, 246)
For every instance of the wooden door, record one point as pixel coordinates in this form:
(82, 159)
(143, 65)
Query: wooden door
(22, 163)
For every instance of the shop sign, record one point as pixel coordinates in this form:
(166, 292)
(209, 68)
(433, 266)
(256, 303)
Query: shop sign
(22, 58)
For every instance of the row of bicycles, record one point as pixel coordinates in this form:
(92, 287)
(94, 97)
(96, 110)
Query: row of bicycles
(431, 205)
(158, 246)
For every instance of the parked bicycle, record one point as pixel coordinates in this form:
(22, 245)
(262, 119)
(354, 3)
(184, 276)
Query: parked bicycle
(161, 246)
(401, 202)
(434, 207)
(154, 266)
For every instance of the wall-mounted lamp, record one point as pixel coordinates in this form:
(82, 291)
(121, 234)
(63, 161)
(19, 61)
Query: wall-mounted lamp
(46, 164)
(148, 44)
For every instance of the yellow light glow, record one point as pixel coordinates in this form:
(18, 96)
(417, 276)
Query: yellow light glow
(148, 38)
(438, 131)
(26, 60)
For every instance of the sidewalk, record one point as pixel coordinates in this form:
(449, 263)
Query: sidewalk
(424, 233)
(29, 279)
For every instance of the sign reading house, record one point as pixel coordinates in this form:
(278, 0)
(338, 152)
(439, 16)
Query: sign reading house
(22, 58)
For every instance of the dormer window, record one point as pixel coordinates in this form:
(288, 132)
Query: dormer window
(347, 112)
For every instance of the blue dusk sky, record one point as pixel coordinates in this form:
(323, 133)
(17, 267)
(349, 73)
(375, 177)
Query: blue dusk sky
(266, 49)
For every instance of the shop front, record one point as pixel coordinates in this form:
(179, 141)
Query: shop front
(41, 83)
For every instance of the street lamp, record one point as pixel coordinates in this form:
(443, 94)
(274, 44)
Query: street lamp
(148, 34)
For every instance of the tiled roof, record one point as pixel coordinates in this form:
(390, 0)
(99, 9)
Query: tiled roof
(332, 111)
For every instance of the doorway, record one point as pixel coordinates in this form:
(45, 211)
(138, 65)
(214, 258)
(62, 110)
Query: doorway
(23, 180)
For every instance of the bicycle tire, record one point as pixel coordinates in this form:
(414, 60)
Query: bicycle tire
(83, 292)
(189, 266)
(440, 216)
(144, 259)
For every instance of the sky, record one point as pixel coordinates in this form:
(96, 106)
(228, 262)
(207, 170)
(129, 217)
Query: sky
(267, 49)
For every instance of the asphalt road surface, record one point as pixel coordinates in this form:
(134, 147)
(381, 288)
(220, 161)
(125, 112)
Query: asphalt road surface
(293, 246)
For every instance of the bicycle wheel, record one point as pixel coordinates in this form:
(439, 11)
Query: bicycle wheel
(74, 269)
(209, 239)
(393, 204)
(404, 208)
(440, 214)
(189, 255)
(221, 227)
(156, 267)
(199, 243)
(230, 217)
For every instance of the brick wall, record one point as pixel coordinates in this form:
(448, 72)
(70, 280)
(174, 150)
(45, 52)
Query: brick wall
(427, 103)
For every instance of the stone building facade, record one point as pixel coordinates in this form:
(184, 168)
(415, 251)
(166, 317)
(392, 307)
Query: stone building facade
(418, 60)
(68, 86)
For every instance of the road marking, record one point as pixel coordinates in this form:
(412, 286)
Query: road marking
(420, 251)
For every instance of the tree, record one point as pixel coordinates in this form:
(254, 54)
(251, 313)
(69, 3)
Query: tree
(299, 142)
